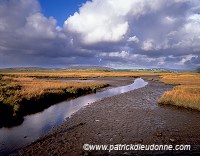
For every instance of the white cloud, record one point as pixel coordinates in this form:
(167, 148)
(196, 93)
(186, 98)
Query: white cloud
(122, 54)
(131, 60)
(39, 26)
(135, 32)
(189, 34)
(96, 28)
(168, 20)
(107, 21)
(160, 27)
(12, 13)
(148, 45)
(186, 59)
(133, 39)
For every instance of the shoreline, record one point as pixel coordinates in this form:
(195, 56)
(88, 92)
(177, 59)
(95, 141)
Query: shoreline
(129, 118)
(34, 105)
(13, 116)
(5, 145)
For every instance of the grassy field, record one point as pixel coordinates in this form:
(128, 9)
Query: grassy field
(24, 95)
(79, 74)
(186, 94)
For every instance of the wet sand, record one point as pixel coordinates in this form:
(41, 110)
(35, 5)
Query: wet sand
(128, 118)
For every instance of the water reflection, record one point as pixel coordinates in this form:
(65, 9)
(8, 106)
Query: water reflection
(37, 125)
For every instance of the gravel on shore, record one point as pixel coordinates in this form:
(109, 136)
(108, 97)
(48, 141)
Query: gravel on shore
(130, 118)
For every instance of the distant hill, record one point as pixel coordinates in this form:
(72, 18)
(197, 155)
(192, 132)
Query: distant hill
(150, 70)
(61, 69)
(89, 68)
(25, 69)
(93, 68)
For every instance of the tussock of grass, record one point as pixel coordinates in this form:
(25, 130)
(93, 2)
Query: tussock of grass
(187, 94)
(25, 94)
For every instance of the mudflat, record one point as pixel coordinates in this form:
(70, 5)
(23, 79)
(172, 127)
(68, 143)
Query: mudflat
(130, 118)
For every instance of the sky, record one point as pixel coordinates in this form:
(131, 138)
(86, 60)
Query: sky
(60, 9)
(112, 33)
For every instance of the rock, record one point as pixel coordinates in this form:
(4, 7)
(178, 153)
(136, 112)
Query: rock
(172, 140)
(140, 141)
(159, 134)
(126, 153)
(82, 123)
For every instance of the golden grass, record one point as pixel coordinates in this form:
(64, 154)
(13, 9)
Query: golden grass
(16, 90)
(187, 94)
(181, 79)
(79, 74)
(19, 86)
(33, 86)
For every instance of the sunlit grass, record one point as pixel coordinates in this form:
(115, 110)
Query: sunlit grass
(21, 91)
(181, 79)
(80, 74)
(187, 94)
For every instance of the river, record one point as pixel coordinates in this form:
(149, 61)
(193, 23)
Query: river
(39, 124)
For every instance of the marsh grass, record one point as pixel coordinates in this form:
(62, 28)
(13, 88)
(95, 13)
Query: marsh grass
(79, 74)
(186, 94)
(24, 95)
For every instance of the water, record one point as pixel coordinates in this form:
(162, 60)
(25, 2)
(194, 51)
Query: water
(37, 125)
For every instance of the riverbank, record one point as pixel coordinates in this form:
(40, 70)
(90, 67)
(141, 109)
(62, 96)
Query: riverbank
(20, 96)
(128, 118)
(39, 124)
(186, 93)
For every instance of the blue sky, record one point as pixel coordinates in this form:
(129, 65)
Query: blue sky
(112, 33)
(60, 9)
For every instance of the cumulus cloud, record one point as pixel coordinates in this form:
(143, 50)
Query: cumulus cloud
(37, 25)
(122, 54)
(125, 33)
(107, 21)
(148, 45)
(188, 35)
(13, 13)
(95, 24)
(187, 58)
(133, 39)
(124, 59)
(28, 38)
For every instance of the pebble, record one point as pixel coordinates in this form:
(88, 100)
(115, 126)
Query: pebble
(158, 134)
(140, 141)
(172, 140)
